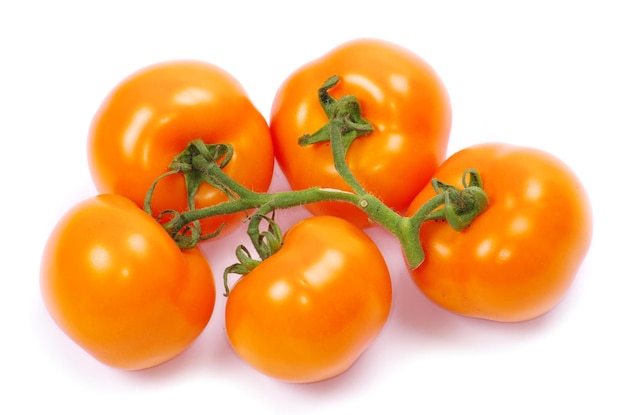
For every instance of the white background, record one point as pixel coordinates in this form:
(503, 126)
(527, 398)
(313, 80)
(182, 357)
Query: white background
(549, 74)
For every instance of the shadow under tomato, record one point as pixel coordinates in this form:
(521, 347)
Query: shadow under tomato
(416, 323)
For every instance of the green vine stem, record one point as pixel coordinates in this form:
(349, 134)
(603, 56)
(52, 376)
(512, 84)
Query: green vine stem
(203, 163)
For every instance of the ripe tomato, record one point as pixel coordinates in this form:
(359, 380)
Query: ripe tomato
(400, 94)
(518, 258)
(116, 283)
(309, 311)
(154, 113)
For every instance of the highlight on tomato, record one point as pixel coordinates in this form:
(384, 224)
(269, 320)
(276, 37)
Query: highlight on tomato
(310, 310)
(402, 98)
(517, 259)
(118, 285)
(152, 115)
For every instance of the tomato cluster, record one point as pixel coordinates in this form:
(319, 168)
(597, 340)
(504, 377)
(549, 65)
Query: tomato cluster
(180, 142)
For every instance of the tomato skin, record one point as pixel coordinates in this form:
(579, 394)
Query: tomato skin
(151, 116)
(115, 282)
(400, 94)
(310, 310)
(518, 258)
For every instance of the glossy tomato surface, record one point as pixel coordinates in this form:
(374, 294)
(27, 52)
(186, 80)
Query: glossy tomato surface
(400, 95)
(151, 116)
(310, 310)
(517, 259)
(117, 284)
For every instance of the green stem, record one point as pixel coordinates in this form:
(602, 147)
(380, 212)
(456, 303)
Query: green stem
(249, 200)
(409, 231)
(203, 163)
(339, 157)
(405, 229)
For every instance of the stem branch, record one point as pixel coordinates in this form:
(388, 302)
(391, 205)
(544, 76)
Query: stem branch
(203, 163)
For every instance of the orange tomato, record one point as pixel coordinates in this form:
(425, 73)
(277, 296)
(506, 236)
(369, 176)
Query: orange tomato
(518, 258)
(154, 113)
(310, 310)
(400, 94)
(116, 283)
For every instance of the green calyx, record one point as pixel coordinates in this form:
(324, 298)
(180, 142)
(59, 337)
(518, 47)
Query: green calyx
(193, 163)
(461, 206)
(266, 244)
(344, 112)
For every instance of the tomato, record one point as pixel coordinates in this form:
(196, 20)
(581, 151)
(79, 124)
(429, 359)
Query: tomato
(310, 310)
(517, 259)
(400, 95)
(153, 114)
(116, 283)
